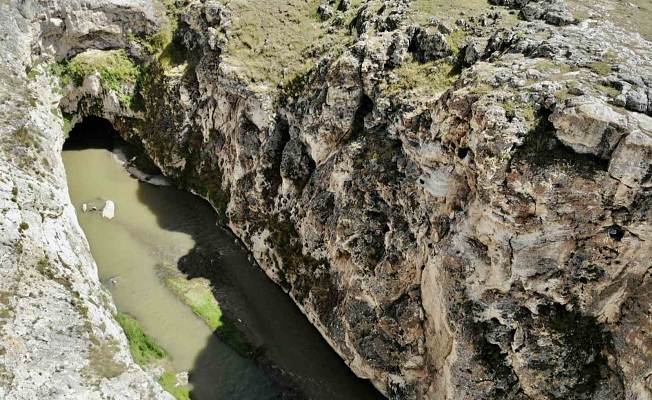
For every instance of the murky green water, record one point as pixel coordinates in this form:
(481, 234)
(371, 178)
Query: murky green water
(127, 249)
(155, 225)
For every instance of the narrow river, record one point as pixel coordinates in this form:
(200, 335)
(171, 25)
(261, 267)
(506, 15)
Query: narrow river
(155, 225)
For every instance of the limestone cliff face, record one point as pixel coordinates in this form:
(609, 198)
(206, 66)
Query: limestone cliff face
(490, 242)
(481, 234)
(58, 338)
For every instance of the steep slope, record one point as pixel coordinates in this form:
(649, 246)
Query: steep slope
(58, 335)
(458, 197)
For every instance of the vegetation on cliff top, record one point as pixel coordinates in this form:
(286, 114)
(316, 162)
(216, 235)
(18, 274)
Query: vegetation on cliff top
(275, 40)
(634, 15)
(445, 10)
(113, 66)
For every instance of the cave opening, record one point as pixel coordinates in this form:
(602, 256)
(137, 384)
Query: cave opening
(99, 133)
(93, 133)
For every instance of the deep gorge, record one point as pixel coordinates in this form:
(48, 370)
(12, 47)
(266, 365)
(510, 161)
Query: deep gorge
(273, 355)
(456, 196)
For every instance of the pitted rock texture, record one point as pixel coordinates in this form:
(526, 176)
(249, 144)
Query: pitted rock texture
(473, 246)
(66, 27)
(58, 337)
(461, 208)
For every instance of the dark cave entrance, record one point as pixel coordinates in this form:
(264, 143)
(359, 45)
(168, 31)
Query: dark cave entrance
(99, 133)
(93, 133)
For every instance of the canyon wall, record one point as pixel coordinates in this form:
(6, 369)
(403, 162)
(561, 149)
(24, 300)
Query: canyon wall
(58, 336)
(462, 208)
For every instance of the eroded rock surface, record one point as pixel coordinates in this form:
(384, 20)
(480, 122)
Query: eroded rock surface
(462, 207)
(58, 337)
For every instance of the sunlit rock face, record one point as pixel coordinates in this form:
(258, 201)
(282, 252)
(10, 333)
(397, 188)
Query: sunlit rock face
(58, 337)
(481, 234)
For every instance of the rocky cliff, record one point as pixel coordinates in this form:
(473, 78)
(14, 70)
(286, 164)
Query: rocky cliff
(58, 335)
(457, 196)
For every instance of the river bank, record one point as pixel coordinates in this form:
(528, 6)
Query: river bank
(274, 352)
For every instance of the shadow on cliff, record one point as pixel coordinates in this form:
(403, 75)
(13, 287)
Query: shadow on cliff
(291, 352)
(294, 354)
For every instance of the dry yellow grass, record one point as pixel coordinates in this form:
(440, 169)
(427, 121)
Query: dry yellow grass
(274, 40)
(634, 15)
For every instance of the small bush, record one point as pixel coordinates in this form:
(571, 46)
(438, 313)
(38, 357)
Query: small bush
(126, 100)
(43, 265)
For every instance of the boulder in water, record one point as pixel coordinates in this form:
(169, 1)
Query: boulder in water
(109, 210)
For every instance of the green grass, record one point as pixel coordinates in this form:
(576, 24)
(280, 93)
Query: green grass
(635, 18)
(530, 116)
(169, 382)
(456, 40)
(115, 67)
(197, 294)
(544, 65)
(143, 348)
(600, 68)
(146, 351)
(421, 11)
(67, 126)
(607, 90)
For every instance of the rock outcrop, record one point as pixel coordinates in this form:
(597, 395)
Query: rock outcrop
(58, 337)
(462, 208)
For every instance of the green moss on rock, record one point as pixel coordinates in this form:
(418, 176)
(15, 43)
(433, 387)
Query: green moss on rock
(197, 293)
(143, 348)
(169, 383)
(114, 67)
